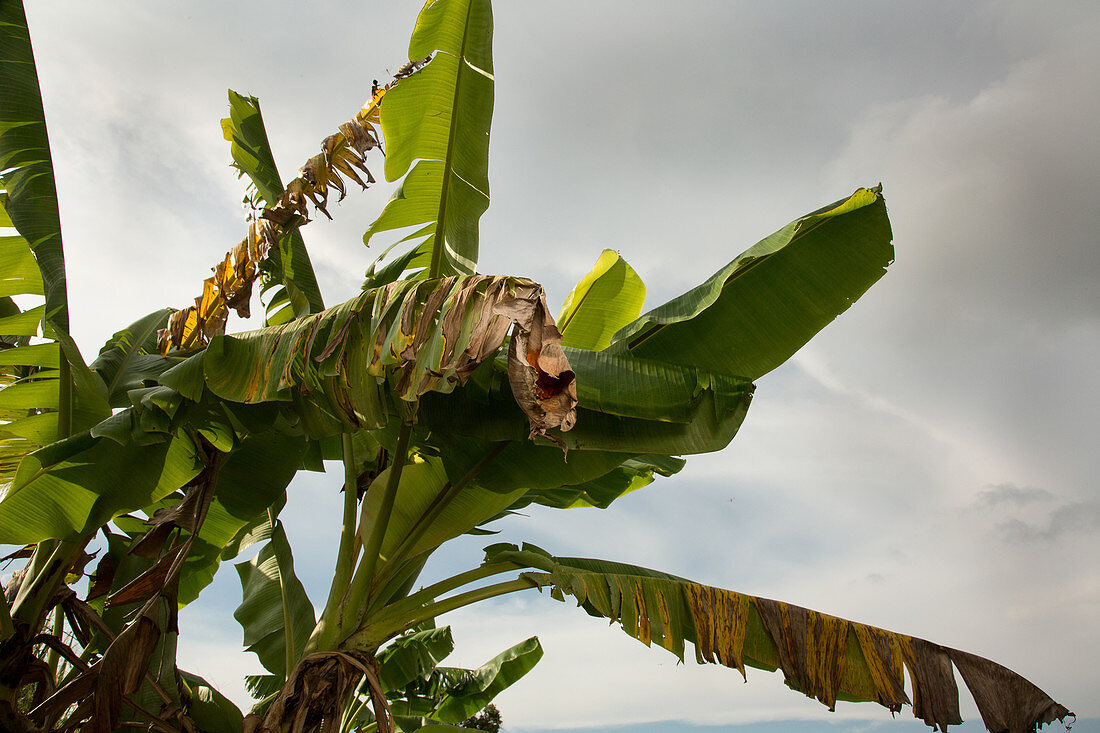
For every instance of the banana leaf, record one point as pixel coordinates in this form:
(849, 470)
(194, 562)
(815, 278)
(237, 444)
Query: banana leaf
(343, 368)
(210, 710)
(413, 656)
(29, 195)
(274, 607)
(129, 358)
(775, 296)
(483, 684)
(822, 656)
(438, 118)
(70, 488)
(607, 299)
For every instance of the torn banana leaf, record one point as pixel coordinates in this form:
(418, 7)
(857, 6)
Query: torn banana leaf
(822, 656)
(437, 121)
(775, 296)
(340, 367)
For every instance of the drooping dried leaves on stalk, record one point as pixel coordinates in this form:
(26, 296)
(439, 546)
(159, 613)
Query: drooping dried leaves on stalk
(342, 156)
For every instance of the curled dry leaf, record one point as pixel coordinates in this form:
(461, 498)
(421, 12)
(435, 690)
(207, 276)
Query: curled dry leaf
(542, 382)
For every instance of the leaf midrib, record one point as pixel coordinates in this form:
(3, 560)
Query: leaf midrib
(448, 165)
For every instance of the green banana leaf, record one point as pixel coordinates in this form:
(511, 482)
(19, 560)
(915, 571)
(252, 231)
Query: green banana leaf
(413, 656)
(70, 488)
(250, 479)
(289, 268)
(631, 475)
(130, 357)
(625, 404)
(439, 117)
(253, 477)
(481, 685)
(451, 695)
(32, 261)
(426, 512)
(607, 299)
(274, 605)
(822, 656)
(210, 710)
(775, 296)
(29, 196)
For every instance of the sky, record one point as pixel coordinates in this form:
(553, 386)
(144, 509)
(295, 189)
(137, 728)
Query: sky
(925, 464)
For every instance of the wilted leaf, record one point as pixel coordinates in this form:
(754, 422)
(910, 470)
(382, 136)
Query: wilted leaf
(425, 336)
(823, 656)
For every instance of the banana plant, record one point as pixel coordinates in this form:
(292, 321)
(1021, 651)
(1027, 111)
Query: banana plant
(452, 399)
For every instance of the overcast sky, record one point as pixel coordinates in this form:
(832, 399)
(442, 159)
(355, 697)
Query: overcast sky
(926, 464)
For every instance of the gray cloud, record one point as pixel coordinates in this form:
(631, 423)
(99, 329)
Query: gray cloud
(1079, 518)
(1008, 493)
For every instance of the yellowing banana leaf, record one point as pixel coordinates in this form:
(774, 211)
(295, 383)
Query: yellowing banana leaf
(822, 656)
(439, 117)
(288, 265)
(404, 340)
(341, 154)
(608, 298)
(758, 310)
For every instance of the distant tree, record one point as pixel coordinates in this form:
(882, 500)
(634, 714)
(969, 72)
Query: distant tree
(488, 719)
